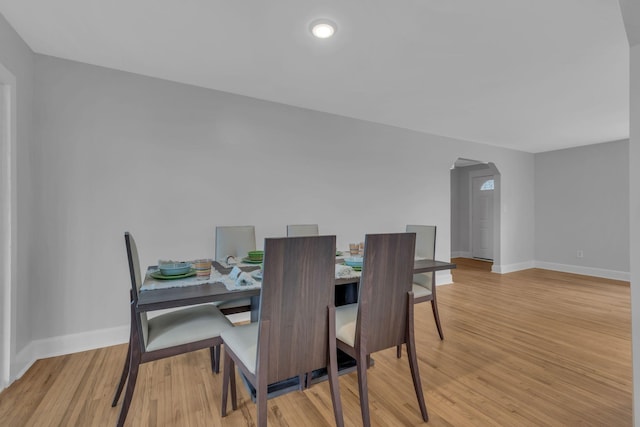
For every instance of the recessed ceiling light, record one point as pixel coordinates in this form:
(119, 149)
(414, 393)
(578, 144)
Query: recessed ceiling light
(323, 28)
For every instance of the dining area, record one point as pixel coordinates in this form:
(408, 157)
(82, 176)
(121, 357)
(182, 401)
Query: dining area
(310, 312)
(97, 147)
(518, 350)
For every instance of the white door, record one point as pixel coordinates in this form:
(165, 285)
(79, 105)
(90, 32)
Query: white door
(482, 217)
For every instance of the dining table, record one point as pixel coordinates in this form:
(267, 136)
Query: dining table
(212, 291)
(180, 296)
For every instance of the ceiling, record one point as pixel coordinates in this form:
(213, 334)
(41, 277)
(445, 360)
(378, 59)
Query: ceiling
(534, 75)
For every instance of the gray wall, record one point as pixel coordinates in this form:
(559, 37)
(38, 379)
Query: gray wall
(169, 162)
(582, 203)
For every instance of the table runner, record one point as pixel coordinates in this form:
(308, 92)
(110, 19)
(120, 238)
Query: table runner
(244, 281)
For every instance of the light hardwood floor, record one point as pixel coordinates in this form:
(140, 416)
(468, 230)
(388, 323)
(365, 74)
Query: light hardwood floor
(522, 349)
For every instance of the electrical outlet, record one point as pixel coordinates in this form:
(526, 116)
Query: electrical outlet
(580, 253)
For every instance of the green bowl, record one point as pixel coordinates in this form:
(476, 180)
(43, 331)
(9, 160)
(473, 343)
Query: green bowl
(174, 269)
(255, 255)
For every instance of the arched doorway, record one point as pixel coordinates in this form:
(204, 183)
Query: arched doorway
(475, 210)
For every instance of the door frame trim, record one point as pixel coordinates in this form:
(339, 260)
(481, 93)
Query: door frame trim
(8, 225)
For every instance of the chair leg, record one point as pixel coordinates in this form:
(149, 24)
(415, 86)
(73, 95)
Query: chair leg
(134, 365)
(127, 361)
(123, 377)
(215, 358)
(261, 403)
(218, 356)
(227, 375)
(361, 366)
(234, 397)
(399, 351)
(434, 307)
(413, 362)
(332, 370)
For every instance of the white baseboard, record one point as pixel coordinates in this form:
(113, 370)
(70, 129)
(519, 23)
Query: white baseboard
(510, 268)
(444, 278)
(66, 344)
(565, 268)
(461, 254)
(587, 271)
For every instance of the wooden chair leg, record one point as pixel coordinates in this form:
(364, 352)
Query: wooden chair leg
(234, 396)
(215, 358)
(261, 403)
(434, 307)
(123, 377)
(134, 365)
(361, 366)
(304, 380)
(261, 374)
(226, 375)
(332, 370)
(413, 362)
(127, 361)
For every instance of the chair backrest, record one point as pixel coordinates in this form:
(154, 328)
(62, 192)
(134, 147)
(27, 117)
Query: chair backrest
(235, 241)
(425, 240)
(425, 248)
(298, 283)
(298, 230)
(387, 273)
(141, 321)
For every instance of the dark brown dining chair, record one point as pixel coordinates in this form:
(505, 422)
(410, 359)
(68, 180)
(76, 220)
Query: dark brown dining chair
(424, 284)
(383, 316)
(295, 333)
(169, 334)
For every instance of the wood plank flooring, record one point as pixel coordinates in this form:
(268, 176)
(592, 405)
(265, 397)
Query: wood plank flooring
(528, 348)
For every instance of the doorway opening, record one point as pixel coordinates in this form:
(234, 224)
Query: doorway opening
(475, 211)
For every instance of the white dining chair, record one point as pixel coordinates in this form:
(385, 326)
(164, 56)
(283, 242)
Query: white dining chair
(298, 230)
(424, 284)
(169, 334)
(234, 241)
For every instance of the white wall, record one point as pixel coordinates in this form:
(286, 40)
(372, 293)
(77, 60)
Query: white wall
(582, 203)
